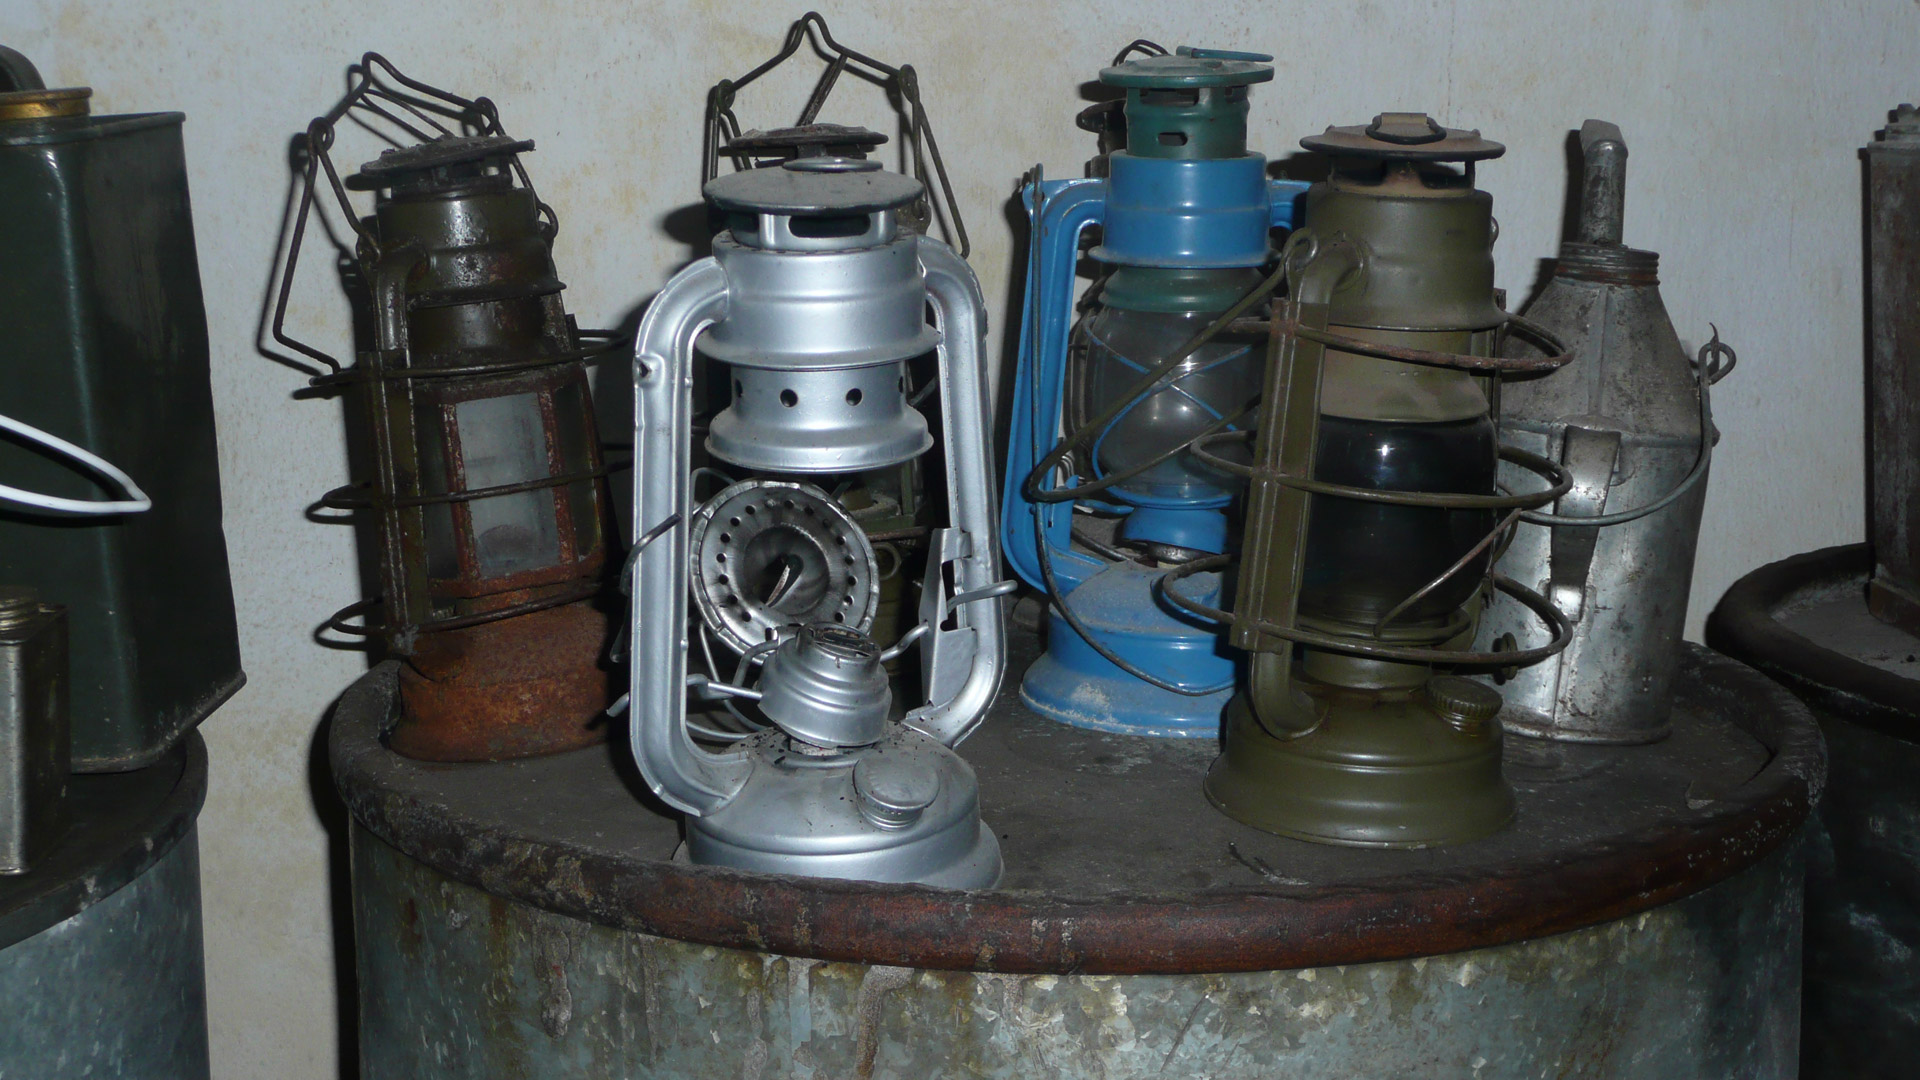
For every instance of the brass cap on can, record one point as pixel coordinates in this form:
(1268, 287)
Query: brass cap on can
(44, 104)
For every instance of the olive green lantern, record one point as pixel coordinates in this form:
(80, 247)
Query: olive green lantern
(1373, 511)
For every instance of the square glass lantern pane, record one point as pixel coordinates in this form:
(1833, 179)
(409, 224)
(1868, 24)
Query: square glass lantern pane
(443, 555)
(503, 441)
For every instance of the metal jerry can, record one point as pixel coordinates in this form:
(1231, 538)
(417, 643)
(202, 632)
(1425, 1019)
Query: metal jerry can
(1629, 418)
(105, 346)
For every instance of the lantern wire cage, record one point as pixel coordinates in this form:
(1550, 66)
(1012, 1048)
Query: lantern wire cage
(403, 110)
(1257, 311)
(902, 82)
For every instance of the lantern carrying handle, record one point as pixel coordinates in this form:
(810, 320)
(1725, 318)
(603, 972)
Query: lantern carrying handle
(723, 126)
(962, 664)
(684, 776)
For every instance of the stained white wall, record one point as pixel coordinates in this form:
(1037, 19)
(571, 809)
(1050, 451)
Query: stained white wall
(1744, 117)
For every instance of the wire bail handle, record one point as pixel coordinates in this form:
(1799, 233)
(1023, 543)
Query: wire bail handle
(722, 125)
(417, 110)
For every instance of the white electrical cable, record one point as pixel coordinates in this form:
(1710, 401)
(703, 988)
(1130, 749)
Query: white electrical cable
(132, 500)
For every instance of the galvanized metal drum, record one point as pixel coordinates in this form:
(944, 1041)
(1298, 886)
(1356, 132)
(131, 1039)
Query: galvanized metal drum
(1640, 918)
(1805, 622)
(100, 952)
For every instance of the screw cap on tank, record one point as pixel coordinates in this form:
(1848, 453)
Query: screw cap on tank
(1467, 705)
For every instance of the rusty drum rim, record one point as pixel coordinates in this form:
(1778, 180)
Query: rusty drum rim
(1745, 626)
(124, 824)
(1260, 928)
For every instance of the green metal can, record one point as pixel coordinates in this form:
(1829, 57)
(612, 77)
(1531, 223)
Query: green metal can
(106, 347)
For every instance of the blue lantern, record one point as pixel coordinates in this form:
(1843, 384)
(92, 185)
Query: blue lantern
(1186, 214)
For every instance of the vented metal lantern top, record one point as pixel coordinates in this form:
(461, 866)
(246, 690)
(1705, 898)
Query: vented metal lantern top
(1191, 67)
(814, 185)
(1404, 137)
(439, 154)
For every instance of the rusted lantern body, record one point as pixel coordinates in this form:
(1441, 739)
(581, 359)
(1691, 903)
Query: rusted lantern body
(488, 491)
(503, 641)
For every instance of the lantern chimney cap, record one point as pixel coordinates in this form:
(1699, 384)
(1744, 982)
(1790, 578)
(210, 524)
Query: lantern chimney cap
(1402, 136)
(441, 153)
(805, 141)
(1191, 67)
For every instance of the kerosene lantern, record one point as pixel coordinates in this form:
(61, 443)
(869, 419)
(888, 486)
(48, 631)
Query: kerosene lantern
(487, 489)
(1184, 213)
(890, 504)
(1373, 509)
(813, 302)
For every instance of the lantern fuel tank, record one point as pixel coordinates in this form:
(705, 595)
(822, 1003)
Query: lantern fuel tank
(1628, 419)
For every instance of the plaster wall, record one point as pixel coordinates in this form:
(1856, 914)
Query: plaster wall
(1744, 118)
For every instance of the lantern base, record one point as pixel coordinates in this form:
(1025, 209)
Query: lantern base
(1370, 769)
(904, 810)
(520, 687)
(1074, 684)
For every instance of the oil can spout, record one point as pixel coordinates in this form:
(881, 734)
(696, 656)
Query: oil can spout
(1603, 188)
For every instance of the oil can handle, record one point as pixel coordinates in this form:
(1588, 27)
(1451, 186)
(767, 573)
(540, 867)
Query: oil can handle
(1590, 455)
(1603, 187)
(17, 72)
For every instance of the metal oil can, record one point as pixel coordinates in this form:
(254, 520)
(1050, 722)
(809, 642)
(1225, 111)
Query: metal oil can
(106, 347)
(1627, 419)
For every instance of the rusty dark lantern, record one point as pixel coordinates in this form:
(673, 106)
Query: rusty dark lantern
(488, 487)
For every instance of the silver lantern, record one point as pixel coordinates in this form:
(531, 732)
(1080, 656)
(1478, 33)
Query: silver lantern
(813, 303)
(1629, 418)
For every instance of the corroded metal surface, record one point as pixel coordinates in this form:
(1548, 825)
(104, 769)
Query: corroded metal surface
(1893, 375)
(120, 825)
(1805, 621)
(100, 947)
(1115, 864)
(118, 990)
(459, 984)
(534, 684)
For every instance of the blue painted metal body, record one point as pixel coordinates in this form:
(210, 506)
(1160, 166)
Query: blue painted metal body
(1188, 214)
